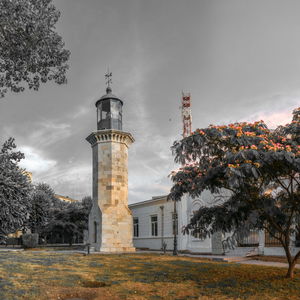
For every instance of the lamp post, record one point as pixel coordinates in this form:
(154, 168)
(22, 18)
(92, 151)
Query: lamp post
(175, 251)
(162, 227)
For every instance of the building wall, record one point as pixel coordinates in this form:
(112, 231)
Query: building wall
(185, 242)
(188, 242)
(161, 208)
(187, 208)
(110, 220)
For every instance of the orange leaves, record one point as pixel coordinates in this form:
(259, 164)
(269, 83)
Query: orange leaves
(237, 165)
(199, 132)
(249, 133)
(233, 165)
(288, 148)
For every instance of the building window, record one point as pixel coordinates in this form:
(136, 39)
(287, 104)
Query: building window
(95, 232)
(174, 223)
(136, 227)
(154, 228)
(195, 232)
(297, 237)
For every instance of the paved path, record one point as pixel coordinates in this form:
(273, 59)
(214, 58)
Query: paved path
(266, 263)
(244, 260)
(11, 249)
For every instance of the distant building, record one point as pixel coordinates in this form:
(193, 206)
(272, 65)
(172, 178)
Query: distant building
(29, 175)
(65, 198)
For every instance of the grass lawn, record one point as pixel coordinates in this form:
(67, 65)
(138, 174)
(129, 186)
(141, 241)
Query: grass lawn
(47, 275)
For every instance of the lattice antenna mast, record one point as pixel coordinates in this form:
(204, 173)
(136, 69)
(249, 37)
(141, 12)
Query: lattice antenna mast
(108, 79)
(186, 114)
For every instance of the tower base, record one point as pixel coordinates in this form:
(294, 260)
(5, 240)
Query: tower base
(117, 250)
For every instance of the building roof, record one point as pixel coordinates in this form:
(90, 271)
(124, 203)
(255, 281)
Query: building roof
(154, 199)
(108, 95)
(65, 198)
(28, 174)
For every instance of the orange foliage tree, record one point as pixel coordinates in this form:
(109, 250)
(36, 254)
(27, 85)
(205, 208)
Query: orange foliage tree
(254, 168)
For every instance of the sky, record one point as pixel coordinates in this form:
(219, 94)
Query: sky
(239, 59)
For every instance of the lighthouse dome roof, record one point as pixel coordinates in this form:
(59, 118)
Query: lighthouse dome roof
(108, 95)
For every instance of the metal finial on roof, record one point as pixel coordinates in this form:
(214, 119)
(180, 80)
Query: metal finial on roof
(108, 79)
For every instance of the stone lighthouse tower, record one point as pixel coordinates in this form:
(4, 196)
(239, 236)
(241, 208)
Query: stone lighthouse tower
(110, 220)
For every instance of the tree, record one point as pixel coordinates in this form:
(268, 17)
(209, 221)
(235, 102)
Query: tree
(71, 220)
(87, 204)
(15, 189)
(252, 171)
(41, 200)
(30, 50)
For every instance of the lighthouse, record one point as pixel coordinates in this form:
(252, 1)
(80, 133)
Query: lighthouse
(110, 220)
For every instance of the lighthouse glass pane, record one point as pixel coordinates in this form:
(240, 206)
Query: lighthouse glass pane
(105, 110)
(98, 113)
(115, 108)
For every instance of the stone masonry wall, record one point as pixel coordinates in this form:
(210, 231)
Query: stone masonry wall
(110, 191)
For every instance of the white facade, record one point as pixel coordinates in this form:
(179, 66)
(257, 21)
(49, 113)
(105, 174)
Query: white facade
(153, 226)
(160, 211)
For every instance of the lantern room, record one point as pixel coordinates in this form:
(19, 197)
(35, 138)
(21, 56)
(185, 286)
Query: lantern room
(109, 111)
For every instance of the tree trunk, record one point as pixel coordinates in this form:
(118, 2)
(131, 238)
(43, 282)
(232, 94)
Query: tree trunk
(290, 272)
(291, 261)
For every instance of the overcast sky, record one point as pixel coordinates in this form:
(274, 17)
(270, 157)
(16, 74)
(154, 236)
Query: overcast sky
(239, 59)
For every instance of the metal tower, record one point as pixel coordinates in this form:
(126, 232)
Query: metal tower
(186, 114)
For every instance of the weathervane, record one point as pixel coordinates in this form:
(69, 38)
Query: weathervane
(108, 76)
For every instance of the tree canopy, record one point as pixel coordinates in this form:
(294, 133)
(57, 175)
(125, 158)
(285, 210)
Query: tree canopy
(252, 171)
(31, 51)
(69, 219)
(15, 190)
(41, 200)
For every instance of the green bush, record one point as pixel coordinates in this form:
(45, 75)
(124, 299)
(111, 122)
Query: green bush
(30, 240)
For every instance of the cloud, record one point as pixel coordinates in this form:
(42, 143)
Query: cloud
(49, 132)
(146, 191)
(41, 134)
(80, 111)
(275, 110)
(68, 179)
(34, 161)
(273, 119)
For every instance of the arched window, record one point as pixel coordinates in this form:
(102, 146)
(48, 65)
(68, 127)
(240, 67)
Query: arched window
(195, 207)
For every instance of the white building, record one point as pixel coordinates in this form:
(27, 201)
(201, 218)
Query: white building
(154, 224)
